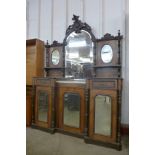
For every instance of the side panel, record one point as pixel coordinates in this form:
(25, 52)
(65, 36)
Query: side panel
(28, 105)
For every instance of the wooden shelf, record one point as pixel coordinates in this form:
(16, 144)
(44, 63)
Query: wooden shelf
(108, 66)
(46, 68)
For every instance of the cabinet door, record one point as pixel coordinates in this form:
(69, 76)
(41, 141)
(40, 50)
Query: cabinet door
(103, 115)
(43, 106)
(71, 109)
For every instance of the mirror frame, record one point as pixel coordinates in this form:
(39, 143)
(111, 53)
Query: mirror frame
(76, 27)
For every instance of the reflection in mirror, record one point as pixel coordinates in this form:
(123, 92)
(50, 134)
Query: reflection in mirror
(72, 109)
(55, 57)
(42, 106)
(103, 115)
(79, 55)
(106, 53)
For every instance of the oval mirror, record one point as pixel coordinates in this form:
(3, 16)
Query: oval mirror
(79, 55)
(106, 53)
(55, 57)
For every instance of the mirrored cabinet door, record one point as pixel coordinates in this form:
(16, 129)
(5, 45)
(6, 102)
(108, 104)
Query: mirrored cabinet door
(103, 115)
(71, 109)
(43, 106)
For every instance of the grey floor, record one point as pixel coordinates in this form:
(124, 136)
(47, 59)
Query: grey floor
(43, 143)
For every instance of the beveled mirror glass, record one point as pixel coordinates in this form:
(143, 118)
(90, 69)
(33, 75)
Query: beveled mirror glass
(42, 106)
(103, 115)
(55, 57)
(106, 53)
(79, 55)
(72, 109)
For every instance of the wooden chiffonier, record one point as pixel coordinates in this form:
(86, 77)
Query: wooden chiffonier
(81, 93)
(34, 67)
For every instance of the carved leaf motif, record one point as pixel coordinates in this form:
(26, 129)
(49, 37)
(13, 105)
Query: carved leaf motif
(77, 26)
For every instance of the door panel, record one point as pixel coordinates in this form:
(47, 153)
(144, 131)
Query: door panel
(43, 106)
(103, 115)
(71, 109)
(102, 110)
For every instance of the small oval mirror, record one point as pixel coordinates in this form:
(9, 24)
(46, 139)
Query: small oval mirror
(106, 53)
(55, 57)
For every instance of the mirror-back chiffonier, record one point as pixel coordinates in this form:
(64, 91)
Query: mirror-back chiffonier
(80, 93)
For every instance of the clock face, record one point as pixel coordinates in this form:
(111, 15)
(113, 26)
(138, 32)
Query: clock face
(55, 57)
(106, 53)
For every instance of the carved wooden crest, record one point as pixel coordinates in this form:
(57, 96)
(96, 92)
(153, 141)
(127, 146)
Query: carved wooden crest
(77, 26)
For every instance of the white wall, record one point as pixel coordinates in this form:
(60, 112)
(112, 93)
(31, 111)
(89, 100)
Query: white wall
(48, 20)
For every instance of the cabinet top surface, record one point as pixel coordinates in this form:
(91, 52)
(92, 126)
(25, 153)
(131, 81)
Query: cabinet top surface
(73, 81)
(33, 41)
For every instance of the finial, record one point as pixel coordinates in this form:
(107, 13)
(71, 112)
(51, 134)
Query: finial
(55, 42)
(119, 33)
(75, 18)
(47, 42)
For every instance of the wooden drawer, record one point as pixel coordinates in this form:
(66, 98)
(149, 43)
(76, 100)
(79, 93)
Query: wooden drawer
(107, 84)
(45, 82)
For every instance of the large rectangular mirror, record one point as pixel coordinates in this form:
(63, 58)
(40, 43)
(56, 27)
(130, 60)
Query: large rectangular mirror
(79, 55)
(103, 115)
(72, 109)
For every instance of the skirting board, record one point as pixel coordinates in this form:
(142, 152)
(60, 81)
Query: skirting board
(124, 129)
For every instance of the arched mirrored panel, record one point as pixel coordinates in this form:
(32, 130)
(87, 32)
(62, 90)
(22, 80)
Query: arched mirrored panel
(79, 55)
(106, 53)
(55, 57)
(72, 109)
(103, 115)
(42, 106)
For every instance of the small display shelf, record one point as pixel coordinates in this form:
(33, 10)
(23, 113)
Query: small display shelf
(108, 66)
(47, 68)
